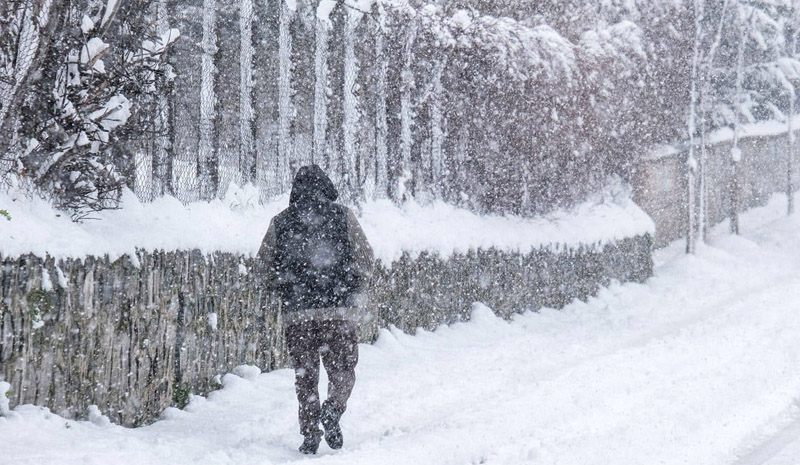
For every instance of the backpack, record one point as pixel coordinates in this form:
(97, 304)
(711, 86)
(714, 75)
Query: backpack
(313, 256)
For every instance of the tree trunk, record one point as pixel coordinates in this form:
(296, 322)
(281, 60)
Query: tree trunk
(208, 102)
(790, 154)
(185, 117)
(437, 132)
(266, 94)
(702, 217)
(323, 27)
(246, 130)
(163, 153)
(285, 107)
(406, 117)
(691, 161)
(381, 127)
(736, 153)
(350, 105)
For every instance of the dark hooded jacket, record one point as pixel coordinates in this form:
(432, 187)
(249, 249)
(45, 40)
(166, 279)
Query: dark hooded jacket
(315, 255)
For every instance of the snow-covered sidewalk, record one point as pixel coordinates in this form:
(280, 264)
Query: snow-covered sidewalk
(699, 365)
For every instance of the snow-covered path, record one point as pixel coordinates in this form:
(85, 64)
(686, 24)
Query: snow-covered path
(699, 365)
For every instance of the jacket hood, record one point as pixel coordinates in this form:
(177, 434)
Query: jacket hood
(311, 183)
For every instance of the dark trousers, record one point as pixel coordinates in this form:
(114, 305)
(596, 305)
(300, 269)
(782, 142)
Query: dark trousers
(335, 341)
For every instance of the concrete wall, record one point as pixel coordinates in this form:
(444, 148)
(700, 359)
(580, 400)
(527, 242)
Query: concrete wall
(660, 183)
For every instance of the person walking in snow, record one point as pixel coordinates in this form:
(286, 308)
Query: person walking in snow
(316, 258)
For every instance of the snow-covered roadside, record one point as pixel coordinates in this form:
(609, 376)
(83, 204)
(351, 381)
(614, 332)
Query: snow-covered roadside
(237, 224)
(698, 365)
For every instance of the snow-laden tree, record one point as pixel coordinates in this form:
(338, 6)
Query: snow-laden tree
(612, 60)
(26, 28)
(500, 106)
(70, 121)
(516, 81)
(753, 79)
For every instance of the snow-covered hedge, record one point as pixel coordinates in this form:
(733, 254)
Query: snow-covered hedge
(139, 333)
(153, 301)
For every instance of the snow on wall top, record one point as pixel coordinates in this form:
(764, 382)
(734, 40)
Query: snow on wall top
(238, 223)
(759, 129)
(718, 136)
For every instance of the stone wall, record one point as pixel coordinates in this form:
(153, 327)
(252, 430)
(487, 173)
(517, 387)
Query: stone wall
(138, 334)
(660, 182)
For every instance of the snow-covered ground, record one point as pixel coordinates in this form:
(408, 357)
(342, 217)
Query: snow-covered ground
(699, 365)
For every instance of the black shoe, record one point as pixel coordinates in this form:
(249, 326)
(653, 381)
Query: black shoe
(329, 417)
(310, 445)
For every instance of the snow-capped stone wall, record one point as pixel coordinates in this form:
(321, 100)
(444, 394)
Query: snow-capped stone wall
(660, 182)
